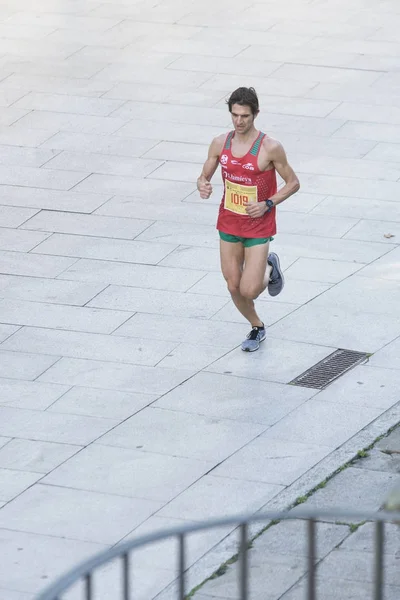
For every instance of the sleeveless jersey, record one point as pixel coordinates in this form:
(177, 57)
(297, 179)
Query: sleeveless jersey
(244, 183)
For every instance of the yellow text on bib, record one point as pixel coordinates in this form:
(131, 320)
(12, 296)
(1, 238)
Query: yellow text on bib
(238, 196)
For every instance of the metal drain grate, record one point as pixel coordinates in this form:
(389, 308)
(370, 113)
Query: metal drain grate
(329, 369)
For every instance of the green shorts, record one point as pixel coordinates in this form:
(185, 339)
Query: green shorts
(247, 242)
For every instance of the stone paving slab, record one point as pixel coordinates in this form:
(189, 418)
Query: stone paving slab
(357, 566)
(380, 461)
(104, 144)
(62, 222)
(220, 396)
(15, 263)
(62, 512)
(367, 288)
(89, 345)
(40, 289)
(359, 208)
(271, 460)
(167, 216)
(13, 483)
(188, 435)
(51, 199)
(386, 357)
(285, 359)
(71, 318)
(363, 539)
(6, 331)
(338, 327)
(14, 364)
(391, 443)
(99, 466)
(355, 487)
(13, 216)
(364, 386)
(26, 565)
(152, 277)
(334, 589)
(10, 595)
(52, 427)
(121, 378)
(35, 456)
(274, 313)
(290, 538)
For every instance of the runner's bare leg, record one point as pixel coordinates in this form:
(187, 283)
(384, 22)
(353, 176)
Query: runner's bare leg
(256, 272)
(232, 265)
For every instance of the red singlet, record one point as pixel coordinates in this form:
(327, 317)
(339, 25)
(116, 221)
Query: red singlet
(244, 183)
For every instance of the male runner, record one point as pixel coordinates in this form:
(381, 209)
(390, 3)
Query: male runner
(246, 219)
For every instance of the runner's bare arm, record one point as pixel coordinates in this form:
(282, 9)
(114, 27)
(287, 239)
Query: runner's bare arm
(277, 156)
(292, 184)
(210, 166)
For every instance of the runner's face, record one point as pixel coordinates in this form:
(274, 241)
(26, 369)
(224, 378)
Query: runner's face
(242, 118)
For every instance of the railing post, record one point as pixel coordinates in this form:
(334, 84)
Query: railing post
(181, 565)
(379, 545)
(243, 563)
(311, 526)
(125, 576)
(88, 586)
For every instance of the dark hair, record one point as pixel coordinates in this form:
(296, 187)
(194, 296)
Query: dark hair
(245, 97)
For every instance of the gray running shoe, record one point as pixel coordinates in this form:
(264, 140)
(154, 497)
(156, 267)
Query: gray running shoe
(253, 339)
(277, 281)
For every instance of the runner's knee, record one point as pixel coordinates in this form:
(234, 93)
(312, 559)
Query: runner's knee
(250, 291)
(233, 285)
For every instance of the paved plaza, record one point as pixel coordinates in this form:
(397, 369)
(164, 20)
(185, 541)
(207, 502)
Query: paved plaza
(126, 404)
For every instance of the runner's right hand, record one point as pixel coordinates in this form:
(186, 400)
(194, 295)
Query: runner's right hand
(205, 189)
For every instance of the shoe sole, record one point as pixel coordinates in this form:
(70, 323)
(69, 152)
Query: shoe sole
(248, 349)
(278, 266)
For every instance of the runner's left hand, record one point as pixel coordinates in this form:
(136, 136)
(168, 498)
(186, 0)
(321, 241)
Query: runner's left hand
(256, 210)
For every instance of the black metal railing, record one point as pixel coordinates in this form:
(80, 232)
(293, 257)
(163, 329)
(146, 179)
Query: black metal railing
(86, 571)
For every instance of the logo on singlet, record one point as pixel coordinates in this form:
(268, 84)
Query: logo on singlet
(224, 159)
(240, 178)
(248, 166)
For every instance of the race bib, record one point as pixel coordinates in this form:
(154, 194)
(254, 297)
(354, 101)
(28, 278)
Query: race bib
(237, 197)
